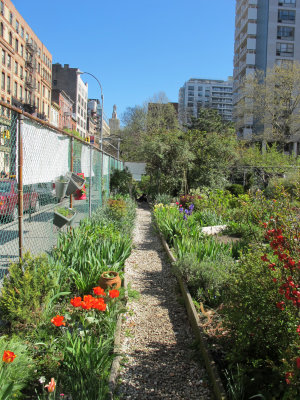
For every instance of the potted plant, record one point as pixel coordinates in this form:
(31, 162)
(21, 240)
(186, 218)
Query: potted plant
(110, 279)
(76, 182)
(81, 193)
(61, 184)
(63, 216)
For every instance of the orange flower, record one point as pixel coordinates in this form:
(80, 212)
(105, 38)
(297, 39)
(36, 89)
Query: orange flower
(99, 305)
(8, 356)
(51, 386)
(98, 291)
(58, 320)
(113, 293)
(76, 302)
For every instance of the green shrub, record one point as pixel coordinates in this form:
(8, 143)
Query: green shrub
(236, 189)
(206, 279)
(163, 199)
(261, 333)
(14, 376)
(27, 288)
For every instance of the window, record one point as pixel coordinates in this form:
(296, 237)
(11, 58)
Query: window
(190, 104)
(287, 16)
(3, 57)
(8, 84)
(285, 49)
(21, 92)
(17, 26)
(39, 87)
(10, 38)
(2, 7)
(38, 103)
(8, 61)
(39, 68)
(11, 18)
(285, 33)
(21, 72)
(3, 81)
(22, 51)
(290, 3)
(200, 88)
(16, 67)
(1, 29)
(17, 46)
(22, 32)
(27, 37)
(15, 89)
(190, 87)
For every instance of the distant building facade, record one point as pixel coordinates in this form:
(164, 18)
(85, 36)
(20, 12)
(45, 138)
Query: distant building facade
(54, 114)
(267, 33)
(205, 93)
(26, 64)
(114, 122)
(65, 109)
(67, 79)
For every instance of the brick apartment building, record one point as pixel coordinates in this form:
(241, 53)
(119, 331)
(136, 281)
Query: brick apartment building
(26, 64)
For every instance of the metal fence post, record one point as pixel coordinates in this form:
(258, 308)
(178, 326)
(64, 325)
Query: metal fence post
(20, 184)
(72, 167)
(90, 187)
(101, 178)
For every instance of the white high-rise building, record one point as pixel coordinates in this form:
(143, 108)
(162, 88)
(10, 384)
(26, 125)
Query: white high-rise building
(267, 32)
(208, 93)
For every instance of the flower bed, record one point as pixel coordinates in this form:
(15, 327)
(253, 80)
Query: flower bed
(57, 320)
(246, 292)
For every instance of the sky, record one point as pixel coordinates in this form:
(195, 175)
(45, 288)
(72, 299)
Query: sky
(136, 48)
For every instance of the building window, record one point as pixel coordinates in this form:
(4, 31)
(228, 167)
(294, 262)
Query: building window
(8, 61)
(39, 68)
(17, 46)
(190, 87)
(3, 57)
(21, 93)
(15, 89)
(22, 32)
(22, 50)
(10, 38)
(38, 103)
(11, 18)
(27, 37)
(1, 29)
(287, 16)
(285, 49)
(17, 26)
(54, 82)
(3, 81)
(21, 72)
(290, 3)
(16, 67)
(285, 33)
(39, 87)
(8, 84)
(2, 7)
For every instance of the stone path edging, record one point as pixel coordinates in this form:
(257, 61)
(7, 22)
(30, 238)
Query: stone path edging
(216, 382)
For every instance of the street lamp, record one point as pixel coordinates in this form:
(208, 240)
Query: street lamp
(101, 121)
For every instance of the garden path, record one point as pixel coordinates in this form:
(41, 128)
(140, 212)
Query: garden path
(157, 344)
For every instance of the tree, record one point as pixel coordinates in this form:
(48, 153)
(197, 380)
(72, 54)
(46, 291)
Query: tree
(274, 101)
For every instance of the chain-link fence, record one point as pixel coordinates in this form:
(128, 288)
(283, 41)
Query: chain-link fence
(37, 162)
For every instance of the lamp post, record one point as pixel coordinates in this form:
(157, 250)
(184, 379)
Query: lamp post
(102, 110)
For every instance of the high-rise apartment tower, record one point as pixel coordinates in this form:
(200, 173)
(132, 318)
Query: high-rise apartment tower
(267, 32)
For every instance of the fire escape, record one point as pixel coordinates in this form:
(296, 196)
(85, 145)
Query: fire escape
(30, 81)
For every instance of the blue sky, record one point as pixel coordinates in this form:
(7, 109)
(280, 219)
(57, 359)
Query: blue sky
(136, 48)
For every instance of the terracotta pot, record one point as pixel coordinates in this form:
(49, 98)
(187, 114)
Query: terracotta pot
(111, 283)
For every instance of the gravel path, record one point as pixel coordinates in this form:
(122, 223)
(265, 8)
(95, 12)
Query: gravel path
(159, 360)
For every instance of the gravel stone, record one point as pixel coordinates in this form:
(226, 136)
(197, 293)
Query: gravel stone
(156, 340)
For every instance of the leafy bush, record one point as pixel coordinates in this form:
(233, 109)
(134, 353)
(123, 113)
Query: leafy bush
(121, 182)
(27, 288)
(15, 375)
(236, 189)
(206, 279)
(163, 199)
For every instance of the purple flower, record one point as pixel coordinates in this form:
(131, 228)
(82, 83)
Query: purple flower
(185, 217)
(181, 209)
(191, 207)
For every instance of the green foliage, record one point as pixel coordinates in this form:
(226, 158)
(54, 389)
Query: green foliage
(86, 365)
(121, 182)
(261, 332)
(14, 376)
(163, 199)
(206, 278)
(27, 288)
(236, 189)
